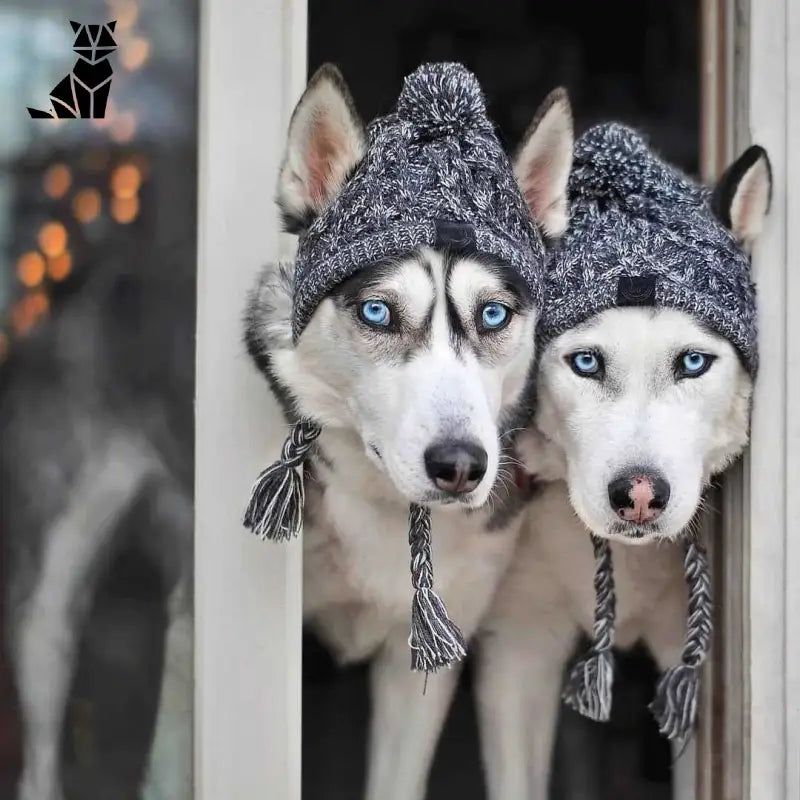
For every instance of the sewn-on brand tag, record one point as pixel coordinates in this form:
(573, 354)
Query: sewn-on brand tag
(636, 290)
(454, 235)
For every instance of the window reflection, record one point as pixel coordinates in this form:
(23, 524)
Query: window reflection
(97, 283)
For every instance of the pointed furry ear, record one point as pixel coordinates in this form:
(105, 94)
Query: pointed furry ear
(543, 163)
(741, 197)
(76, 26)
(326, 141)
(111, 25)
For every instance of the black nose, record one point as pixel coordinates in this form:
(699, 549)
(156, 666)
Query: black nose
(638, 496)
(456, 467)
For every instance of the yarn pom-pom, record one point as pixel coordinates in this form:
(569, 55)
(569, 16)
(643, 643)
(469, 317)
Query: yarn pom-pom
(442, 99)
(614, 163)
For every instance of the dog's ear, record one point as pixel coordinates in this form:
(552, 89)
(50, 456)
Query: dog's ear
(326, 141)
(741, 197)
(543, 163)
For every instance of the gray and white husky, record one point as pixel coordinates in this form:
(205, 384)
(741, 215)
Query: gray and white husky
(385, 400)
(587, 433)
(96, 427)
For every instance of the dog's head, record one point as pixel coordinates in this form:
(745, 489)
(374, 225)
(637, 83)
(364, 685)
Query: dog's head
(417, 361)
(93, 43)
(647, 403)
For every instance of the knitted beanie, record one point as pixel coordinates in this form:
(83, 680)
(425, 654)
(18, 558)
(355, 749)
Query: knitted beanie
(436, 175)
(644, 234)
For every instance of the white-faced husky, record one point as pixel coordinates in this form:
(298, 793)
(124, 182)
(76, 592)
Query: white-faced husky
(416, 367)
(644, 384)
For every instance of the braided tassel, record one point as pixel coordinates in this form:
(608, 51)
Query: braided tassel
(675, 702)
(435, 640)
(588, 689)
(275, 509)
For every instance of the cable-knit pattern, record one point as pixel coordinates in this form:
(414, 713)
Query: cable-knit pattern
(633, 214)
(436, 158)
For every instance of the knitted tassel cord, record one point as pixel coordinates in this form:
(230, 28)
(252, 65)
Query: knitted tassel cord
(588, 689)
(675, 703)
(435, 640)
(275, 509)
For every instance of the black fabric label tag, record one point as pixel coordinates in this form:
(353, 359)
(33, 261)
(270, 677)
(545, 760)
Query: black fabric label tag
(454, 235)
(636, 290)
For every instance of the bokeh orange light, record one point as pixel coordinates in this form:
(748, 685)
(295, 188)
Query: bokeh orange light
(27, 310)
(135, 53)
(52, 239)
(111, 112)
(86, 205)
(30, 269)
(59, 268)
(126, 180)
(57, 180)
(123, 127)
(125, 12)
(124, 209)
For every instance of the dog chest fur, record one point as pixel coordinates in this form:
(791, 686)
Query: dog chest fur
(555, 565)
(356, 560)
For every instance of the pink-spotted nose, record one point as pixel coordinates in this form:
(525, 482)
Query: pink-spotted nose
(638, 497)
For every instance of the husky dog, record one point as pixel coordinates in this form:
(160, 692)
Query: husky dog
(416, 414)
(96, 423)
(637, 409)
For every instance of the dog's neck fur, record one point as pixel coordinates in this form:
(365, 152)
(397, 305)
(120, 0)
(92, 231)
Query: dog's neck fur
(363, 478)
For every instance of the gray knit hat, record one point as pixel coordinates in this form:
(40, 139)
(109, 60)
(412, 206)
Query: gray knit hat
(434, 174)
(644, 234)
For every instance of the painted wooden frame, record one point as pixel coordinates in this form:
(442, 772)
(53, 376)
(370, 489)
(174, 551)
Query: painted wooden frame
(248, 594)
(750, 735)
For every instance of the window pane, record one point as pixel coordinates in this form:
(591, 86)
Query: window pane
(97, 297)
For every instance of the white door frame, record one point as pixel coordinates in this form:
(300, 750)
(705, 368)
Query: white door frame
(248, 594)
(772, 467)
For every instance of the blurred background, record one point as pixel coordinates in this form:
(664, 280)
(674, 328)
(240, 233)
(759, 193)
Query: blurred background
(97, 317)
(97, 308)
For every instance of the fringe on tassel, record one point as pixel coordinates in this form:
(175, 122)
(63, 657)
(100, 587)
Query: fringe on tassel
(275, 508)
(675, 703)
(589, 686)
(435, 639)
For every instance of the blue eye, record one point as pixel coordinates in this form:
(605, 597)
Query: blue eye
(586, 363)
(375, 312)
(692, 364)
(494, 316)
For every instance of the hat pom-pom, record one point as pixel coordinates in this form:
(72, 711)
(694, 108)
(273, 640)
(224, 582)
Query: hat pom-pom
(614, 163)
(442, 99)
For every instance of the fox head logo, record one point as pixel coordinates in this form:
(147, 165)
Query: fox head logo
(93, 43)
(84, 92)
